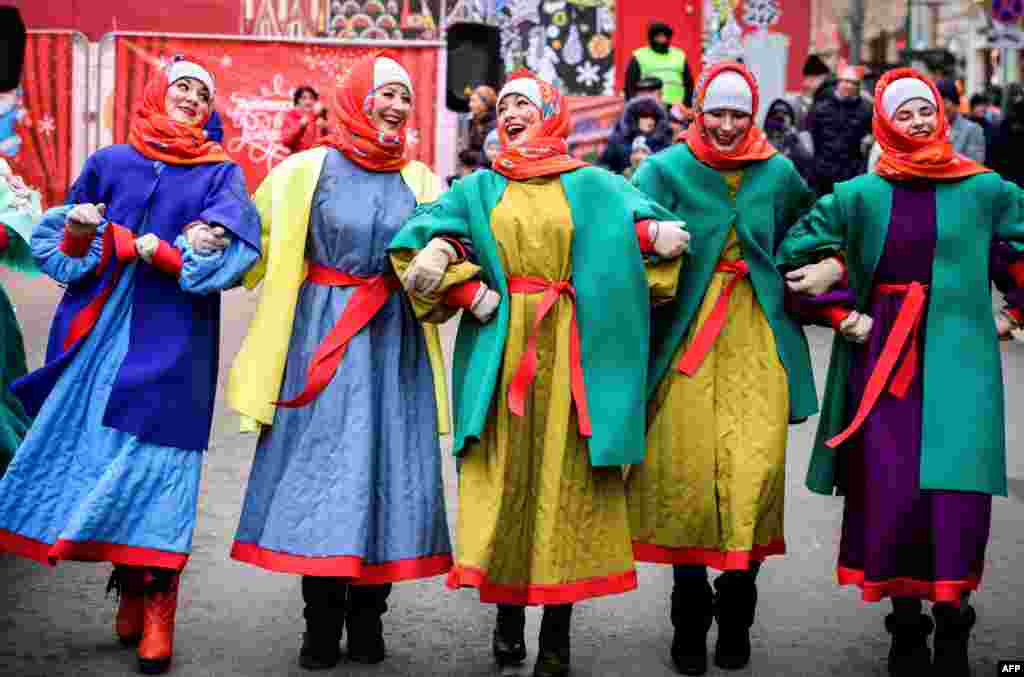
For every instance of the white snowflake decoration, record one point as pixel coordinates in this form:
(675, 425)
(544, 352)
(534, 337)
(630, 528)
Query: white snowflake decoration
(47, 125)
(588, 75)
(760, 14)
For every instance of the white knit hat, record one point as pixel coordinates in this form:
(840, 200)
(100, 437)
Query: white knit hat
(389, 72)
(729, 90)
(903, 90)
(527, 87)
(188, 69)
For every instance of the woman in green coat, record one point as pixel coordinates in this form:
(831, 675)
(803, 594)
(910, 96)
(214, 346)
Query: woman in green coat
(729, 371)
(550, 364)
(912, 429)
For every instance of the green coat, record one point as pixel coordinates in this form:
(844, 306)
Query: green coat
(963, 446)
(771, 198)
(613, 303)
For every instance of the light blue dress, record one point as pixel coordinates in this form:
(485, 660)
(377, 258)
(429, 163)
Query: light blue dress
(350, 485)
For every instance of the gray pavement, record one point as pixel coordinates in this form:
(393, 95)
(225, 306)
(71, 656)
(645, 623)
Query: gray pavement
(239, 620)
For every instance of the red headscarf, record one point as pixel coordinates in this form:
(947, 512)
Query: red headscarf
(356, 136)
(547, 152)
(904, 157)
(751, 148)
(158, 137)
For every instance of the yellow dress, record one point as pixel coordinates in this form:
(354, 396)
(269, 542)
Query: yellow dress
(711, 489)
(537, 524)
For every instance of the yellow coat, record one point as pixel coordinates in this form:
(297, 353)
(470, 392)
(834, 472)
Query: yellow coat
(284, 200)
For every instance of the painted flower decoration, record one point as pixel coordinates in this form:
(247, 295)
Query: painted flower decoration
(600, 46)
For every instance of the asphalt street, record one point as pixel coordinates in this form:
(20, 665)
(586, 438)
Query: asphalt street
(236, 619)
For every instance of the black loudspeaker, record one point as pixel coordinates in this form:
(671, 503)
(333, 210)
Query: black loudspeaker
(12, 48)
(474, 58)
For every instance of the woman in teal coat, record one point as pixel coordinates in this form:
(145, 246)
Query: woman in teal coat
(912, 429)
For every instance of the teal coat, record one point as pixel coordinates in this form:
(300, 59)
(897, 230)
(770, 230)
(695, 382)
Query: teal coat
(771, 198)
(613, 303)
(963, 446)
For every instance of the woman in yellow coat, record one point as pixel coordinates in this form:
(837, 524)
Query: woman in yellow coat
(542, 504)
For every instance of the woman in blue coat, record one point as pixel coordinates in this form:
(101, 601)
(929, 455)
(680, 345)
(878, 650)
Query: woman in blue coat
(152, 232)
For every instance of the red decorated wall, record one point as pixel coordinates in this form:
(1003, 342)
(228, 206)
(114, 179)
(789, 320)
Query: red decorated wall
(96, 17)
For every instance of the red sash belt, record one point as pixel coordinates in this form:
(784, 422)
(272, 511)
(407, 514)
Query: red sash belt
(905, 329)
(366, 301)
(527, 370)
(708, 333)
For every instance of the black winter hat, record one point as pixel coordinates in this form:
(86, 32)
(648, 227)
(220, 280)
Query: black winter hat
(658, 28)
(815, 66)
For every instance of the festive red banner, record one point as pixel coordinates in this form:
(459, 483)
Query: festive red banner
(35, 119)
(255, 81)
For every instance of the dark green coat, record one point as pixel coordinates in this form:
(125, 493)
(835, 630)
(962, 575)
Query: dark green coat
(771, 198)
(613, 303)
(963, 445)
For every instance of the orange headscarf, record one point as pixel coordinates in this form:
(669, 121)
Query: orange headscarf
(357, 137)
(904, 157)
(158, 137)
(547, 152)
(751, 148)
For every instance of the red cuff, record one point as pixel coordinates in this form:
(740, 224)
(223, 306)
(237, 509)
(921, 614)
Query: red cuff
(1017, 273)
(5, 239)
(167, 259)
(844, 281)
(462, 295)
(643, 236)
(460, 249)
(835, 315)
(74, 245)
(1017, 314)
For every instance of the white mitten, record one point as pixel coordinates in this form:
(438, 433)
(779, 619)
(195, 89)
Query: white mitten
(85, 217)
(484, 303)
(428, 267)
(670, 239)
(146, 246)
(816, 278)
(856, 328)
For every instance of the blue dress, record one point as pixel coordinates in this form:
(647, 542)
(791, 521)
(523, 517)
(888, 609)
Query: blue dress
(350, 485)
(110, 469)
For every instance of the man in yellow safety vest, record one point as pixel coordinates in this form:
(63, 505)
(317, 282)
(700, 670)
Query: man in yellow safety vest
(660, 60)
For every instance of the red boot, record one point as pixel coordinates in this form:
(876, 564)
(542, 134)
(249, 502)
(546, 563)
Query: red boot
(129, 583)
(157, 644)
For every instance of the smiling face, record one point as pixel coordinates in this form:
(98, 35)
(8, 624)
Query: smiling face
(646, 124)
(391, 106)
(726, 128)
(188, 102)
(518, 118)
(307, 101)
(916, 118)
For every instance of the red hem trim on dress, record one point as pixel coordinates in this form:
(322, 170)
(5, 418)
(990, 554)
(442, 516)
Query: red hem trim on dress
(344, 566)
(936, 591)
(723, 560)
(462, 576)
(90, 551)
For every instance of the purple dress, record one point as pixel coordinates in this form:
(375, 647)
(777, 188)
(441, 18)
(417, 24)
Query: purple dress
(898, 540)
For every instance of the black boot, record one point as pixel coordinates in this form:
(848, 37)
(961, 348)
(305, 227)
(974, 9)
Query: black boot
(367, 603)
(553, 653)
(909, 654)
(952, 631)
(692, 610)
(734, 610)
(325, 600)
(509, 643)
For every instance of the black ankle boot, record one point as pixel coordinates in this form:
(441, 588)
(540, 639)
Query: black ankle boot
(553, 656)
(909, 655)
(692, 611)
(509, 644)
(952, 632)
(734, 610)
(325, 600)
(367, 603)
